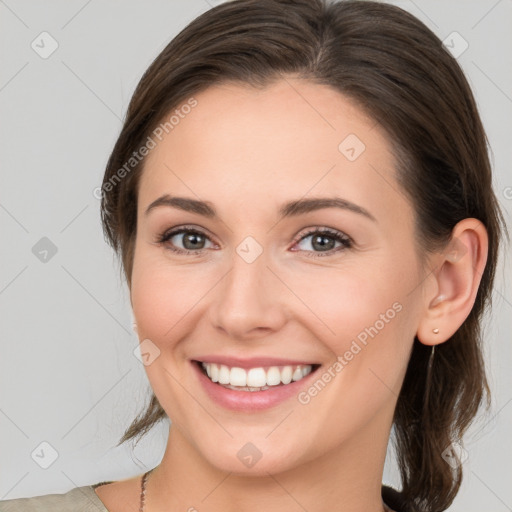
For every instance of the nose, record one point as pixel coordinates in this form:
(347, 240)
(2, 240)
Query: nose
(250, 301)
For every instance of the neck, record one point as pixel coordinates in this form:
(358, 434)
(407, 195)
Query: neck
(347, 478)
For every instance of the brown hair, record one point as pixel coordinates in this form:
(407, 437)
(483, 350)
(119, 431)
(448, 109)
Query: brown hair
(396, 70)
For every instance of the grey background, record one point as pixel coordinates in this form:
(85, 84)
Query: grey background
(68, 374)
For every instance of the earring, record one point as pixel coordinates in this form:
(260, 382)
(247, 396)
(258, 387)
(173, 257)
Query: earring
(428, 381)
(435, 331)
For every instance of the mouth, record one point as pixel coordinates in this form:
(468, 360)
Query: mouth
(255, 379)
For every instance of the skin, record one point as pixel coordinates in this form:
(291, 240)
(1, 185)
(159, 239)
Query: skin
(248, 151)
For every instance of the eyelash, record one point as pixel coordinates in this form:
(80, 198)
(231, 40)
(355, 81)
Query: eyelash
(345, 240)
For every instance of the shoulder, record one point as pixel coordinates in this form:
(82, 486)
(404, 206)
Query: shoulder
(79, 499)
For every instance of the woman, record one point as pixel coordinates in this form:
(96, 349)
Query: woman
(301, 198)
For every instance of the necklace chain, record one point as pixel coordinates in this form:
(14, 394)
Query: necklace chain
(143, 492)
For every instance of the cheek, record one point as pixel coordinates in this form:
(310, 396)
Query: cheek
(352, 301)
(365, 315)
(158, 300)
(165, 303)
(166, 298)
(153, 307)
(370, 320)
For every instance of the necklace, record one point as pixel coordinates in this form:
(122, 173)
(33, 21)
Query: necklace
(143, 492)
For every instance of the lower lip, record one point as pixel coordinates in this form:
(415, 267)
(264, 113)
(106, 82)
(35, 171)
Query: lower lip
(249, 400)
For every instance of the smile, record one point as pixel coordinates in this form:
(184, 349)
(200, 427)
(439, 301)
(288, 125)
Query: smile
(251, 385)
(254, 379)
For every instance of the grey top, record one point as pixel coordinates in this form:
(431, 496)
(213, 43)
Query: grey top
(79, 499)
(84, 499)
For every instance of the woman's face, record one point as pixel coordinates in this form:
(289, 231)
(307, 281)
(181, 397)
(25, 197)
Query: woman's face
(270, 290)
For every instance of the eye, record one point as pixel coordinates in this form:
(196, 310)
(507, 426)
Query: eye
(192, 239)
(324, 241)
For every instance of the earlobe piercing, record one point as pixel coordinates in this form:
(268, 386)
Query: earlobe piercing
(435, 331)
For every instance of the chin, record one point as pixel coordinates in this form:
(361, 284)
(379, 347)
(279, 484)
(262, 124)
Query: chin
(252, 454)
(263, 461)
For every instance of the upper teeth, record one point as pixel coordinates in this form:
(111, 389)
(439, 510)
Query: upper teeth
(256, 377)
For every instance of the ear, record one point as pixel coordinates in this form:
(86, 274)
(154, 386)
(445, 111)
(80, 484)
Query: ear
(453, 284)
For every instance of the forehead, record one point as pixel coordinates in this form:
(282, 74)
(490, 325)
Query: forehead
(286, 140)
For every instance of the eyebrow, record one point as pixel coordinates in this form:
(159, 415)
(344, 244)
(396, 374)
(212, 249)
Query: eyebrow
(290, 209)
